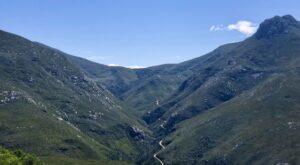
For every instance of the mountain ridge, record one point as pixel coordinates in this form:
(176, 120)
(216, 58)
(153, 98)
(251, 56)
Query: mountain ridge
(235, 105)
(41, 81)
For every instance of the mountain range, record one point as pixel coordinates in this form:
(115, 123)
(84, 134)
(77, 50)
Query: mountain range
(238, 104)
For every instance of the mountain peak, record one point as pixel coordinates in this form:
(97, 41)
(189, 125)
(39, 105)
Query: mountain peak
(276, 25)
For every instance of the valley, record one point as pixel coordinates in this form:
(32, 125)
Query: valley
(238, 104)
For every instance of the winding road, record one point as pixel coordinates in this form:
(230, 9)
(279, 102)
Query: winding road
(162, 148)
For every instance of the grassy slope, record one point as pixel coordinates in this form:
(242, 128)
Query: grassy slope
(116, 79)
(223, 81)
(48, 112)
(218, 135)
(139, 88)
(258, 127)
(227, 72)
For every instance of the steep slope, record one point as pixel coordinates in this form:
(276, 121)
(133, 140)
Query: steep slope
(215, 88)
(236, 105)
(259, 126)
(244, 109)
(141, 89)
(115, 79)
(230, 70)
(144, 88)
(49, 107)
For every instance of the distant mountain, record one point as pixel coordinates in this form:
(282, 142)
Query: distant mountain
(141, 89)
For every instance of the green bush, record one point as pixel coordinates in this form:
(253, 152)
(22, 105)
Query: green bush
(17, 157)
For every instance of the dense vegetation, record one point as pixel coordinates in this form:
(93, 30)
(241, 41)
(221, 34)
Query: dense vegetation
(17, 157)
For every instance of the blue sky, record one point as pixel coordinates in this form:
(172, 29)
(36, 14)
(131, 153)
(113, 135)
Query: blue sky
(139, 32)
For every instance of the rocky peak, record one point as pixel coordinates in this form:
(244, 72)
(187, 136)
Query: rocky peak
(277, 25)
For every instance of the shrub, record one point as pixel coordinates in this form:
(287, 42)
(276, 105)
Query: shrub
(17, 157)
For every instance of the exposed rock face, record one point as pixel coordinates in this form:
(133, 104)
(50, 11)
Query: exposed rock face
(10, 96)
(137, 133)
(277, 25)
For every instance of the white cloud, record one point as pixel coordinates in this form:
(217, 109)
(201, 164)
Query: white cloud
(114, 65)
(245, 27)
(217, 27)
(135, 67)
(130, 67)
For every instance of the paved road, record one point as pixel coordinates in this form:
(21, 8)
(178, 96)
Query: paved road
(155, 155)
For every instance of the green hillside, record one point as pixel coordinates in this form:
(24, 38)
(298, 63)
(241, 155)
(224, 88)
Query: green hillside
(259, 126)
(228, 71)
(238, 104)
(138, 88)
(243, 109)
(50, 108)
